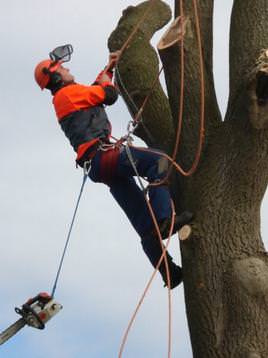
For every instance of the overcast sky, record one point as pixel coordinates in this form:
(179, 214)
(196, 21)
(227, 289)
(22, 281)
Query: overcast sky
(105, 270)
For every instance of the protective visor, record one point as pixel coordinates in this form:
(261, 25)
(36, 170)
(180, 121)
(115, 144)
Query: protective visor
(61, 53)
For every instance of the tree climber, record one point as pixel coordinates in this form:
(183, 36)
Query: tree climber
(82, 117)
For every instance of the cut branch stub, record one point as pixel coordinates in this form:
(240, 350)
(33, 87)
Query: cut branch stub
(174, 33)
(185, 232)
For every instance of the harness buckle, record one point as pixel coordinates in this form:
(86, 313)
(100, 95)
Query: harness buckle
(104, 147)
(86, 167)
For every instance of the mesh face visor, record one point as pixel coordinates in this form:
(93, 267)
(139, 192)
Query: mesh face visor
(61, 53)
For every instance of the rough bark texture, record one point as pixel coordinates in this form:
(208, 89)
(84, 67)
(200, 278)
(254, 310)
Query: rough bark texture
(224, 262)
(138, 69)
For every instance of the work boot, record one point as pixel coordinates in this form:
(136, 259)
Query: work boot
(180, 220)
(175, 274)
(152, 247)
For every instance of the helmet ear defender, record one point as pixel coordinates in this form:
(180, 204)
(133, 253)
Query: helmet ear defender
(54, 78)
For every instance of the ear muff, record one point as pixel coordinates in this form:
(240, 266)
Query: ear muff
(55, 78)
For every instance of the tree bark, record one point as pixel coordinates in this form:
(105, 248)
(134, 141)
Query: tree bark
(225, 264)
(137, 70)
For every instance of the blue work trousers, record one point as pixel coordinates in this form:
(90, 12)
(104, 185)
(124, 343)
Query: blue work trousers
(128, 194)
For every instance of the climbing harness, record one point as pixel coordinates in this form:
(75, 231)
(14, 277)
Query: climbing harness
(109, 155)
(36, 312)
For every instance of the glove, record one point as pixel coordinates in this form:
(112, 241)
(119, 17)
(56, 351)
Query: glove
(104, 76)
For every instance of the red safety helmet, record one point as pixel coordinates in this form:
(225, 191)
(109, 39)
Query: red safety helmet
(42, 71)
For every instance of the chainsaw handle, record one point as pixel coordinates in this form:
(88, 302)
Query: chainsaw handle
(42, 297)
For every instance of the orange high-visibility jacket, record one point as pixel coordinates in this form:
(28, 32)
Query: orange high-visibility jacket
(82, 117)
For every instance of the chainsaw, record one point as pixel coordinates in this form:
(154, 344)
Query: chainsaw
(34, 313)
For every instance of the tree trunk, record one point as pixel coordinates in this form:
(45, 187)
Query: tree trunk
(224, 262)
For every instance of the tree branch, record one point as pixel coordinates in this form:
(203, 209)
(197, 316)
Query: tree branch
(170, 56)
(138, 68)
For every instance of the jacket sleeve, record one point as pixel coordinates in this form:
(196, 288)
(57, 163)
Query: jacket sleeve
(105, 93)
(111, 94)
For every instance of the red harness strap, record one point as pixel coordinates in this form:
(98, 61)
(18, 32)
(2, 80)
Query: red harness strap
(108, 164)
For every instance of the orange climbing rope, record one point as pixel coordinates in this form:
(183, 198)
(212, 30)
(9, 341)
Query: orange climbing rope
(202, 98)
(138, 115)
(136, 120)
(160, 238)
(163, 256)
(172, 159)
